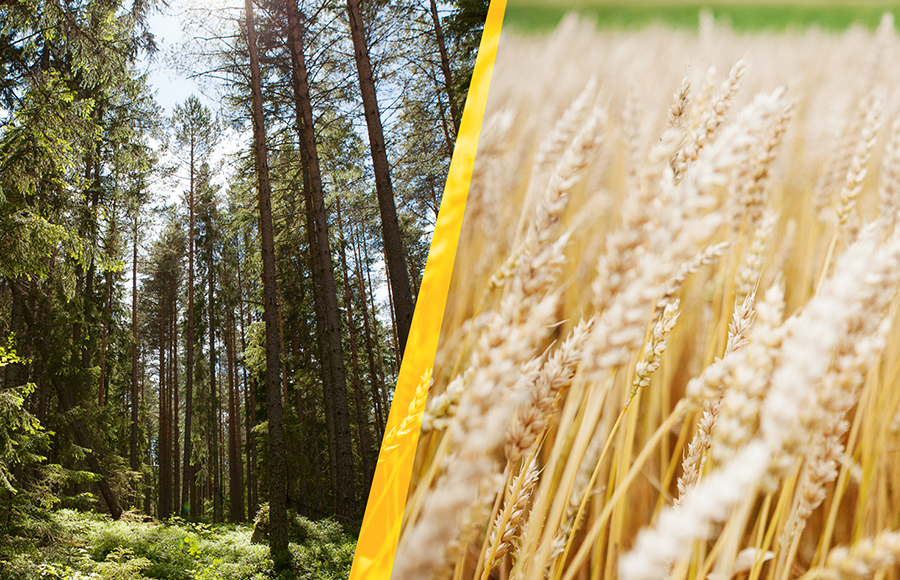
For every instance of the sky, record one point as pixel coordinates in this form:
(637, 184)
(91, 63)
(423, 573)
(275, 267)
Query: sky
(173, 86)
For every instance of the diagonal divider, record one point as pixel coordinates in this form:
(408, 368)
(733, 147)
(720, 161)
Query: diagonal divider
(380, 530)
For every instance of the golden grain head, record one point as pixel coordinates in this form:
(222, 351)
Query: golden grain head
(673, 351)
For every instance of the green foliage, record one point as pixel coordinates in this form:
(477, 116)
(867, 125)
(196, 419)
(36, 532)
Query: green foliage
(40, 150)
(196, 131)
(44, 143)
(302, 529)
(86, 545)
(22, 438)
(255, 353)
(464, 27)
(319, 549)
(28, 241)
(8, 354)
(122, 564)
(465, 24)
(322, 561)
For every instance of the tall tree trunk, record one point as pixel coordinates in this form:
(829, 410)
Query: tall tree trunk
(325, 368)
(235, 469)
(189, 507)
(394, 332)
(178, 505)
(213, 389)
(134, 339)
(396, 368)
(284, 380)
(284, 376)
(445, 67)
(323, 280)
(166, 451)
(448, 139)
(171, 385)
(295, 450)
(76, 325)
(394, 254)
(362, 423)
(101, 391)
(148, 458)
(278, 532)
(88, 346)
(306, 468)
(249, 409)
(377, 379)
(220, 489)
(164, 503)
(107, 308)
(302, 486)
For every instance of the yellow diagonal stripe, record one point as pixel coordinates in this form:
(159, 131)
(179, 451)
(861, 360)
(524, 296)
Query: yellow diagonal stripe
(381, 525)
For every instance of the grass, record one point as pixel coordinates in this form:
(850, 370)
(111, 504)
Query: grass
(77, 545)
(536, 16)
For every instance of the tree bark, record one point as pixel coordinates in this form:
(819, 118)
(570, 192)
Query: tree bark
(396, 367)
(164, 505)
(101, 391)
(324, 287)
(134, 361)
(394, 332)
(445, 68)
(147, 453)
(235, 469)
(278, 532)
(213, 389)
(176, 432)
(189, 507)
(362, 423)
(394, 254)
(325, 368)
(377, 379)
(249, 409)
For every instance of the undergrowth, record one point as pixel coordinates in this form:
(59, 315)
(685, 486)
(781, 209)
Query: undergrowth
(74, 545)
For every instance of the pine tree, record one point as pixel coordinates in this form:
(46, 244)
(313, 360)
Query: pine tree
(195, 132)
(398, 274)
(278, 537)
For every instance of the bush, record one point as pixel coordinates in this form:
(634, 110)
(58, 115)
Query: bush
(318, 549)
(78, 545)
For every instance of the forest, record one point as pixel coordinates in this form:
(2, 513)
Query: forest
(197, 357)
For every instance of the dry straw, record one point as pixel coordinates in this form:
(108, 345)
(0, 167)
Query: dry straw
(658, 360)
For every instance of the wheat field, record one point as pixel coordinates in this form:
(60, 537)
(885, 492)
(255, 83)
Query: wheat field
(671, 348)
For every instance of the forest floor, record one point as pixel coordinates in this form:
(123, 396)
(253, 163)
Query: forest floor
(77, 545)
